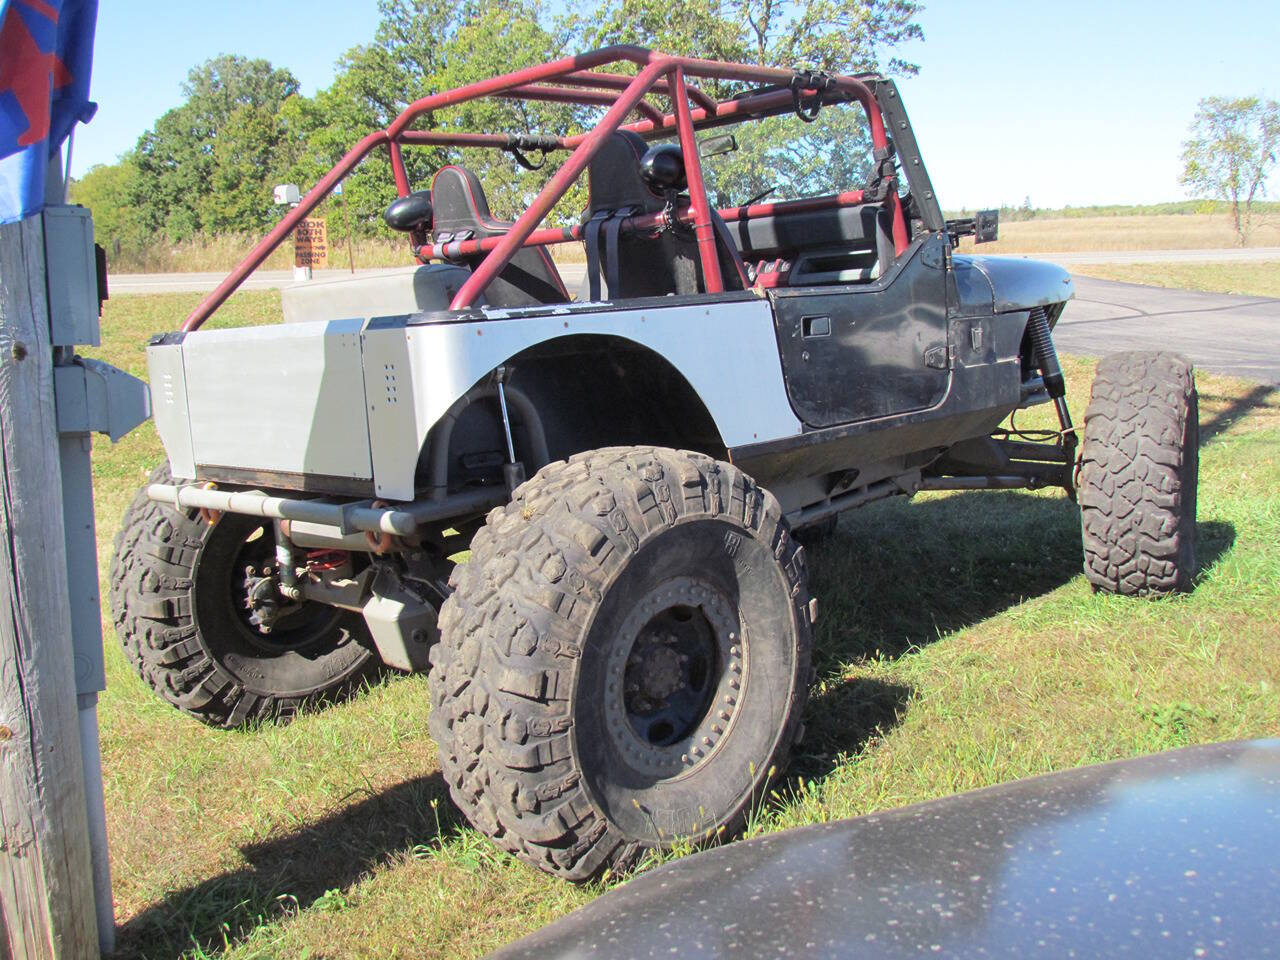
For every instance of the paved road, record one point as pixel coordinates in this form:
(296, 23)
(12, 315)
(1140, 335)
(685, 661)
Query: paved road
(1220, 332)
(1223, 333)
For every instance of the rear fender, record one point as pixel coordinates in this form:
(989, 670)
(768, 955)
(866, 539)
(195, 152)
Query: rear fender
(415, 368)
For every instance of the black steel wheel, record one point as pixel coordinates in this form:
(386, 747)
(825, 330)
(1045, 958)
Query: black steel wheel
(624, 661)
(188, 599)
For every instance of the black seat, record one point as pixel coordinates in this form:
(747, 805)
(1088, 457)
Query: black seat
(640, 265)
(461, 212)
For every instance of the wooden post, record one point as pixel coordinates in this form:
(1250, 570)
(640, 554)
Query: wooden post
(46, 889)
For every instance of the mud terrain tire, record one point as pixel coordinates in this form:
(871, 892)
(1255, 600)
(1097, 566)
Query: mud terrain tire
(173, 598)
(624, 661)
(1138, 475)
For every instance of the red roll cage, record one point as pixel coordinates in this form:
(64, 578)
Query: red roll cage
(577, 82)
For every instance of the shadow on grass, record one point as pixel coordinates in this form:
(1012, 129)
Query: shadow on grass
(1214, 540)
(1235, 408)
(842, 720)
(292, 872)
(899, 574)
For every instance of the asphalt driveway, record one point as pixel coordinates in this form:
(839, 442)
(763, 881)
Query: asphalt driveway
(1220, 332)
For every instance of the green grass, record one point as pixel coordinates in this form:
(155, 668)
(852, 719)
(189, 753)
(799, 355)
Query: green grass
(1255, 279)
(958, 646)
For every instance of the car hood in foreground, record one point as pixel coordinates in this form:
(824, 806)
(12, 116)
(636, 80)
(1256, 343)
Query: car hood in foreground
(1172, 855)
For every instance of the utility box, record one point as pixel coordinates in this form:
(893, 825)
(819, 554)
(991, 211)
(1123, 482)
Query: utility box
(73, 276)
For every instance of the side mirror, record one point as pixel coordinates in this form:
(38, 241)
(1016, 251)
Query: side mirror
(715, 146)
(983, 226)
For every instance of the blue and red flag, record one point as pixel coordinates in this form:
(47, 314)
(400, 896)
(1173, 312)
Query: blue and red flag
(46, 55)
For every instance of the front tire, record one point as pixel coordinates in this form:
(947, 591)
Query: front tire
(178, 599)
(624, 661)
(1138, 474)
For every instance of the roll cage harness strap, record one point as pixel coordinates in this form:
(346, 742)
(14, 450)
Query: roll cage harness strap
(803, 80)
(518, 142)
(608, 222)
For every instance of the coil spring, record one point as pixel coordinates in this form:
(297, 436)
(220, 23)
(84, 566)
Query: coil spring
(1046, 355)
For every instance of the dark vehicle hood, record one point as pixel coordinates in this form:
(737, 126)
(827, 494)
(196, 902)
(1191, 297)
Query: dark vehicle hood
(1172, 855)
(1001, 284)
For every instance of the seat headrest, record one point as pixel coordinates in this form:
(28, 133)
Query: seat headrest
(613, 178)
(458, 201)
(662, 168)
(409, 213)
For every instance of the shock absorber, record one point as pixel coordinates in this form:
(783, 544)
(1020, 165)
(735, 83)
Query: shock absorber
(1046, 358)
(1045, 354)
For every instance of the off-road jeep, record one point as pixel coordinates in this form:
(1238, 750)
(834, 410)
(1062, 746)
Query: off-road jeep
(624, 659)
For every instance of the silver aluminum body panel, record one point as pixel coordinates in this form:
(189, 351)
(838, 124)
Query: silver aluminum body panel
(394, 292)
(286, 399)
(169, 407)
(727, 351)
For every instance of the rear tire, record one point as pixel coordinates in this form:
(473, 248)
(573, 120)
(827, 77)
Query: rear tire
(624, 660)
(1138, 475)
(177, 597)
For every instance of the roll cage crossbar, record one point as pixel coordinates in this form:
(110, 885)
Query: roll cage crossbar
(577, 82)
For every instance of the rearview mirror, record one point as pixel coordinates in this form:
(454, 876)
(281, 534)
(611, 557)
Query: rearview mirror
(715, 146)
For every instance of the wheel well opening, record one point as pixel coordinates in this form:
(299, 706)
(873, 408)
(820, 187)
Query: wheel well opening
(586, 392)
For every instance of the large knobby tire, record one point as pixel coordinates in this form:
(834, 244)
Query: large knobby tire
(624, 661)
(177, 597)
(1138, 471)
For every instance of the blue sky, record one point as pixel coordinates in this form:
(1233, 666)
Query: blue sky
(1065, 103)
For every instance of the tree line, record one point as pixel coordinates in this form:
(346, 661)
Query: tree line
(207, 166)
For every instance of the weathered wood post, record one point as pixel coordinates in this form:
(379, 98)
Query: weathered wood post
(46, 888)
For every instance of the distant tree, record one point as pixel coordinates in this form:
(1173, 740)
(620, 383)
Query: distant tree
(1230, 152)
(108, 190)
(205, 165)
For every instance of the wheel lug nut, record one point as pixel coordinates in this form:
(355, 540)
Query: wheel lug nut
(706, 741)
(724, 714)
(730, 700)
(734, 684)
(715, 728)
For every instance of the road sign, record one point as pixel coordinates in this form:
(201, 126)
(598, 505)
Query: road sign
(311, 243)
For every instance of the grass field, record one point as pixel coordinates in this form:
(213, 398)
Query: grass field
(1063, 234)
(1254, 279)
(1139, 232)
(958, 646)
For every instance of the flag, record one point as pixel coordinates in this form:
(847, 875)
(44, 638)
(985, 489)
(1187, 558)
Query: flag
(46, 54)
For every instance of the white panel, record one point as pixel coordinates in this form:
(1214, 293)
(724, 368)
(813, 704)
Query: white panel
(727, 352)
(169, 407)
(286, 398)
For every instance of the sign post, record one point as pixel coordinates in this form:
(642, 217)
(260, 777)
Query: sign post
(346, 216)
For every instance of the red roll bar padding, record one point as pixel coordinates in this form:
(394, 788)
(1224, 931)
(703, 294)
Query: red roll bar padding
(576, 71)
